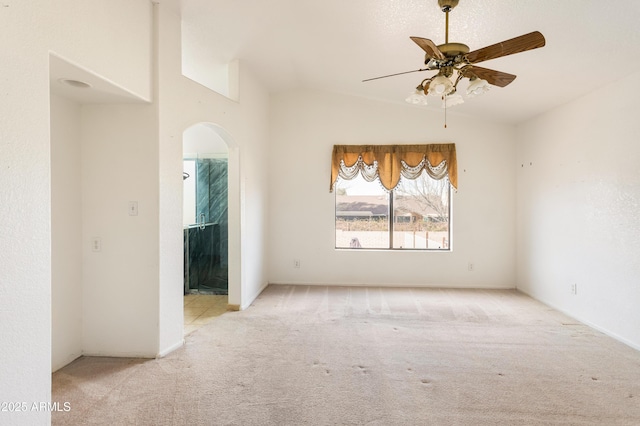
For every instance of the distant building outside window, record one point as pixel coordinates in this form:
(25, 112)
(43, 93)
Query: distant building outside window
(415, 215)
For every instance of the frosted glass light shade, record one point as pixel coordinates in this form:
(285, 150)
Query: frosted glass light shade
(417, 98)
(452, 100)
(477, 87)
(440, 85)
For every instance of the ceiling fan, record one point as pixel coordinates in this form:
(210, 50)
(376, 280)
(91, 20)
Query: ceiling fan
(454, 61)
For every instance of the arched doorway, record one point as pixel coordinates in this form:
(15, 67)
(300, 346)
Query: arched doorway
(210, 223)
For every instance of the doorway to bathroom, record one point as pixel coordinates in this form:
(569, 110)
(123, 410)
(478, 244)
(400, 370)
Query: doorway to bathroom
(205, 225)
(205, 211)
(206, 235)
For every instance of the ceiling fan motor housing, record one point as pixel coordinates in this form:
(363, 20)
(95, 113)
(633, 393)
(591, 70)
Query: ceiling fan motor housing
(452, 50)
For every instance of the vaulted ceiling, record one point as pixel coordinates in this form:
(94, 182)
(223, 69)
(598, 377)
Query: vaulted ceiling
(335, 44)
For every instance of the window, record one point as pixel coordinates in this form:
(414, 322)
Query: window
(393, 196)
(420, 220)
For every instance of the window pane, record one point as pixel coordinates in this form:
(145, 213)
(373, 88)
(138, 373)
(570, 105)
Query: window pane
(362, 214)
(421, 213)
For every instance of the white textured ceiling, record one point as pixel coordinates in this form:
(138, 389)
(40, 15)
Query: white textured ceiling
(335, 44)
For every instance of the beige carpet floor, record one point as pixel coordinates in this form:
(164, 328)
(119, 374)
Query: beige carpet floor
(368, 356)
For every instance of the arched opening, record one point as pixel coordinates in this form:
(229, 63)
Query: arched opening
(210, 223)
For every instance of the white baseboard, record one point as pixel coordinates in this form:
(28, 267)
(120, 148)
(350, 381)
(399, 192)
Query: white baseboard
(107, 354)
(66, 362)
(634, 345)
(170, 349)
(255, 296)
(461, 287)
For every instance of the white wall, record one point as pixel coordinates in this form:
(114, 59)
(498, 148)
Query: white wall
(103, 303)
(112, 38)
(66, 233)
(578, 199)
(202, 140)
(244, 127)
(121, 163)
(120, 282)
(82, 31)
(306, 125)
(199, 65)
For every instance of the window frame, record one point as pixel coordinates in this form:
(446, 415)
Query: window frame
(391, 222)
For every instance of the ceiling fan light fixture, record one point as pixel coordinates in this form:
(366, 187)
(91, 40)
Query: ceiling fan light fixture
(452, 100)
(455, 62)
(417, 97)
(477, 86)
(440, 86)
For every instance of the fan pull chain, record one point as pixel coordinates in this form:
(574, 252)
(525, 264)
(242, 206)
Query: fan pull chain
(444, 99)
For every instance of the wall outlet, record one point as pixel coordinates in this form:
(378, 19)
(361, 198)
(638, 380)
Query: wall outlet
(96, 244)
(296, 263)
(574, 289)
(470, 266)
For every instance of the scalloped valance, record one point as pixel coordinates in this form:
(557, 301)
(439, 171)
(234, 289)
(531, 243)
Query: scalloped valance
(389, 162)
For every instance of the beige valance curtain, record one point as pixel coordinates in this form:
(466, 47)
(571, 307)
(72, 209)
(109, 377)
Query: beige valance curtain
(389, 162)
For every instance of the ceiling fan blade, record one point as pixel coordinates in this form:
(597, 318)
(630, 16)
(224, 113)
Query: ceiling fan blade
(429, 47)
(523, 43)
(496, 78)
(392, 75)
